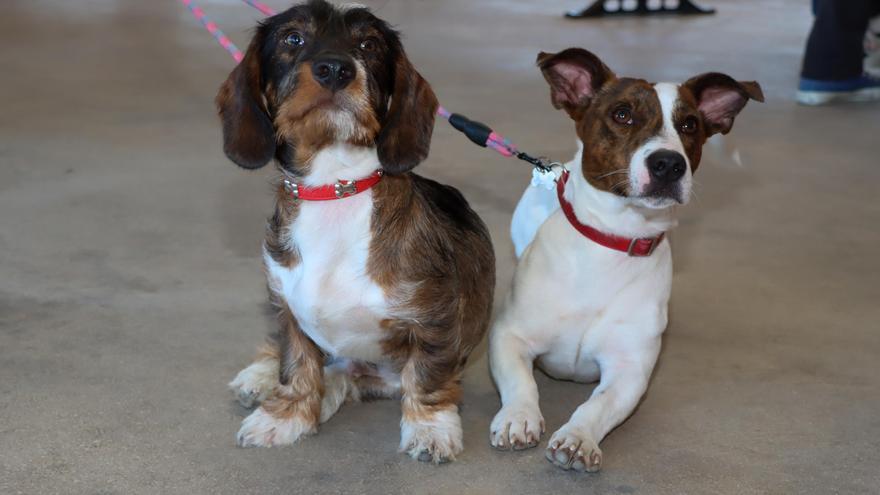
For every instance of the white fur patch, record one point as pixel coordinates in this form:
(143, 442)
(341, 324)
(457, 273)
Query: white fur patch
(516, 426)
(668, 139)
(438, 439)
(261, 429)
(329, 291)
(351, 6)
(253, 384)
(338, 387)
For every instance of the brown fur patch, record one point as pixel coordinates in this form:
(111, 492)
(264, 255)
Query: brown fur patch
(357, 100)
(693, 143)
(609, 145)
(406, 137)
(420, 404)
(268, 352)
(301, 372)
(306, 117)
(248, 139)
(299, 120)
(286, 210)
(374, 387)
(433, 257)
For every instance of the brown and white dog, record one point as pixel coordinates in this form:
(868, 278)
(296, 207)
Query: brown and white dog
(383, 292)
(591, 288)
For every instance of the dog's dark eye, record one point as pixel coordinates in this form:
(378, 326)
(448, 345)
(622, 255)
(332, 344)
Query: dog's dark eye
(622, 115)
(689, 126)
(369, 45)
(295, 39)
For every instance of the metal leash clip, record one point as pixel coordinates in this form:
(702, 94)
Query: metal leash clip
(541, 163)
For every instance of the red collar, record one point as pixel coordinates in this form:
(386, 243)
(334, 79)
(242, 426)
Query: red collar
(341, 189)
(639, 246)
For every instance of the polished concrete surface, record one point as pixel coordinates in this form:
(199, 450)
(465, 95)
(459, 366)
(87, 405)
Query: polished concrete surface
(131, 288)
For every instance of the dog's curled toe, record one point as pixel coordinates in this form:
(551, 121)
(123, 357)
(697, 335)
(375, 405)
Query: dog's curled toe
(516, 428)
(575, 450)
(262, 429)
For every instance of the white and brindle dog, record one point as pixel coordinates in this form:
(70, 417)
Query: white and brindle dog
(590, 293)
(383, 279)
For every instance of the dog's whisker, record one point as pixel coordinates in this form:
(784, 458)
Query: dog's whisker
(619, 184)
(613, 172)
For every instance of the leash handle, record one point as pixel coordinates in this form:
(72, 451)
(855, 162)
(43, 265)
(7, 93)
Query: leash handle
(483, 135)
(479, 133)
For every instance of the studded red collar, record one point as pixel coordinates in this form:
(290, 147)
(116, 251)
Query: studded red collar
(338, 190)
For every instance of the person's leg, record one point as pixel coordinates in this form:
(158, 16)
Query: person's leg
(834, 48)
(833, 63)
(872, 48)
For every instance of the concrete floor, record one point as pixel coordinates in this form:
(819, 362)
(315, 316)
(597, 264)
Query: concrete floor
(131, 289)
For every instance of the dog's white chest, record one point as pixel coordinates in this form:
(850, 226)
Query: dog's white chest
(329, 291)
(600, 302)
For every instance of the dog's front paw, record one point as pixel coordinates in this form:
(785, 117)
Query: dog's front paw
(570, 448)
(262, 429)
(253, 384)
(516, 427)
(435, 439)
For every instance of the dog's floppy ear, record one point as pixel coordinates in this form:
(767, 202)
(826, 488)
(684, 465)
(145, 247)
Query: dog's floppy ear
(405, 138)
(248, 135)
(720, 98)
(574, 75)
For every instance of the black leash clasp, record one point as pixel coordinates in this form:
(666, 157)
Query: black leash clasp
(540, 163)
(483, 135)
(477, 132)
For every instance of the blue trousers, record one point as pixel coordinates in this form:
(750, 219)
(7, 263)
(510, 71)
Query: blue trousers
(835, 47)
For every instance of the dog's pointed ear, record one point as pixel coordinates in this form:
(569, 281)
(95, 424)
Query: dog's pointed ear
(248, 134)
(405, 138)
(721, 97)
(574, 75)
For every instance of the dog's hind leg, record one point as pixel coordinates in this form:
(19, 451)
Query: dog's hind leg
(519, 424)
(338, 387)
(347, 380)
(576, 444)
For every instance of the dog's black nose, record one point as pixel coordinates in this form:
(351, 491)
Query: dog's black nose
(666, 165)
(333, 73)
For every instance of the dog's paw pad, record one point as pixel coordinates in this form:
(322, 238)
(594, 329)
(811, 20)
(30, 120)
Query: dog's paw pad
(516, 428)
(427, 456)
(572, 450)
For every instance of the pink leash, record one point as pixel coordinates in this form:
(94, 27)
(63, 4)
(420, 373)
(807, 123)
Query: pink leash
(214, 30)
(477, 132)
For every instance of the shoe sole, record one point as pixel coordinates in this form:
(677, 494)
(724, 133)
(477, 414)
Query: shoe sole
(814, 98)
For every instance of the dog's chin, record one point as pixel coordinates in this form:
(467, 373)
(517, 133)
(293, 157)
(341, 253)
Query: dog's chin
(659, 201)
(659, 197)
(323, 107)
(339, 122)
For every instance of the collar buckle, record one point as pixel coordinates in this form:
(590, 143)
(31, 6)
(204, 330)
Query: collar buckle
(344, 188)
(292, 189)
(634, 243)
